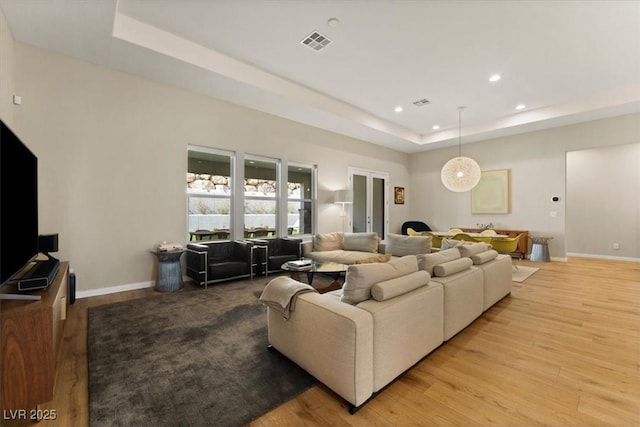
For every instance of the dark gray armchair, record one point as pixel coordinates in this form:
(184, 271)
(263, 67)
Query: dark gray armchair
(213, 262)
(279, 250)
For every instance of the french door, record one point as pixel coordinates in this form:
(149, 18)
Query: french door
(370, 209)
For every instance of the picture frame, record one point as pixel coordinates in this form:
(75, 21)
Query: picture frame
(398, 195)
(492, 194)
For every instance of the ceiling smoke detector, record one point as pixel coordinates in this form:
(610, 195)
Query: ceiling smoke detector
(316, 41)
(421, 102)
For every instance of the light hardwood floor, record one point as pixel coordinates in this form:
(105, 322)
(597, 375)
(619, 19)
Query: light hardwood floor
(562, 350)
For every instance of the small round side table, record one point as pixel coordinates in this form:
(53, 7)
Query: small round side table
(169, 277)
(540, 249)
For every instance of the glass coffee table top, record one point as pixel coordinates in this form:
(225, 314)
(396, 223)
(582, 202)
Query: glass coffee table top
(310, 268)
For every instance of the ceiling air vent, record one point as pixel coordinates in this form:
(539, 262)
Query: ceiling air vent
(316, 41)
(421, 102)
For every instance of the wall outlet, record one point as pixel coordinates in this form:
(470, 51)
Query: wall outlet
(616, 246)
(553, 214)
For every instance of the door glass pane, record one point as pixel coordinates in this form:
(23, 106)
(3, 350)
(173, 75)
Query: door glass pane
(208, 193)
(377, 205)
(260, 195)
(359, 203)
(300, 191)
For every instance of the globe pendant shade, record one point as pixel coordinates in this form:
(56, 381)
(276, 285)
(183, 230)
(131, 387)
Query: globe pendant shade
(460, 174)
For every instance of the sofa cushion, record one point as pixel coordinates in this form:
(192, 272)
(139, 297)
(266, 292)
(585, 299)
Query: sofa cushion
(361, 242)
(388, 289)
(469, 248)
(328, 241)
(483, 257)
(375, 258)
(450, 243)
(426, 262)
(452, 267)
(400, 245)
(339, 256)
(361, 277)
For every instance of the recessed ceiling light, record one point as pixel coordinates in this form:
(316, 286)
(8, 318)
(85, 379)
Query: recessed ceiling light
(333, 22)
(494, 78)
(398, 109)
(520, 107)
(435, 127)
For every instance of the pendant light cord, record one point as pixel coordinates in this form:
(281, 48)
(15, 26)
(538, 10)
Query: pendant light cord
(460, 131)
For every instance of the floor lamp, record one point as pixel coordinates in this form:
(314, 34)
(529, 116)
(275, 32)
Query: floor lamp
(342, 197)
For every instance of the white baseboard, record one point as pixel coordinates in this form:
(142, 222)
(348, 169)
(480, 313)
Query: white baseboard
(114, 289)
(613, 258)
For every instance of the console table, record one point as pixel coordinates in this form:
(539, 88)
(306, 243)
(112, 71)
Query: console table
(31, 335)
(523, 244)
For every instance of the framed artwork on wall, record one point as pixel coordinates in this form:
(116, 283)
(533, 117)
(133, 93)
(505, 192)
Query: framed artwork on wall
(492, 194)
(398, 195)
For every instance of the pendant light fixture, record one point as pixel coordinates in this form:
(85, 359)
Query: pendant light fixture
(460, 173)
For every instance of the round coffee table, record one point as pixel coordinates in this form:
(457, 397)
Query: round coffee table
(333, 269)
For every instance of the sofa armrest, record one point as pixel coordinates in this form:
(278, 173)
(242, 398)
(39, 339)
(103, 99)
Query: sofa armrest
(331, 340)
(307, 248)
(197, 259)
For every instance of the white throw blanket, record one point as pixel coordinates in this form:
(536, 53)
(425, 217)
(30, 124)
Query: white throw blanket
(281, 293)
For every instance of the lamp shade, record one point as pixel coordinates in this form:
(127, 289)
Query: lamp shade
(460, 174)
(342, 196)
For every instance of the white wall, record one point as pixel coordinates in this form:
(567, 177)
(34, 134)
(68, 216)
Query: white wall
(537, 161)
(95, 131)
(6, 72)
(603, 201)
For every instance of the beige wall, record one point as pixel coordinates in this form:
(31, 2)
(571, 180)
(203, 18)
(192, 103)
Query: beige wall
(603, 201)
(537, 161)
(6, 72)
(112, 159)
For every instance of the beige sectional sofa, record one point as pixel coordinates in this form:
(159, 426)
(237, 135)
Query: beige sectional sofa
(388, 316)
(352, 248)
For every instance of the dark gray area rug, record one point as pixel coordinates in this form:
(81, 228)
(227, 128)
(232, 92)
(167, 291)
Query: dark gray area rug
(191, 358)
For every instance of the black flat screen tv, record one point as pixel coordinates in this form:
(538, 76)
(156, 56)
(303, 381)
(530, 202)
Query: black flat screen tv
(18, 205)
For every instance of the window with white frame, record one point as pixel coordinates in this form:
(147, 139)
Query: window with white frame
(209, 193)
(260, 196)
(300, 196)
(274, 200)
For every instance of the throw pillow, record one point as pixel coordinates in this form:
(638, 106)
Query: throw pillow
(361, 277)
(361, 242)
(400, 245)
(328, 242)
(426, 262)
(452, 267)
(470, 249)
(376, 258)
(388, 289)
(483, 257)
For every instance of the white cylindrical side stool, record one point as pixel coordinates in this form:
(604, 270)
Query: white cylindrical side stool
(540, 249)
